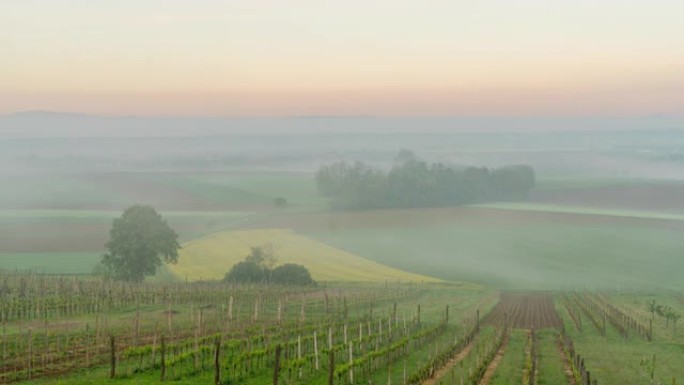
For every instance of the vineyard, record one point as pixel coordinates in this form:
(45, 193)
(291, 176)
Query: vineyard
(85, 330)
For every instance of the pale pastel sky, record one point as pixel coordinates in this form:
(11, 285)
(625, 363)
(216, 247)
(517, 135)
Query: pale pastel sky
(343, 57)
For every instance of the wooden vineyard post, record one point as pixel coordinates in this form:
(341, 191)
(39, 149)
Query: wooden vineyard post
(351, 363)
(345, 308)
(112, 348)
(299, 354)
(217, 364)
(418, 316)
(371, 310)
(230, 308)
(394, 315)
(280, 311)
(276, 366)
(163, 358)
(331, 367)
(302, 314)
(345, 333)
(154, 347)
(137, 324)
(447, 314)
(650, 330)
(256, 310)
(315, 341)
(477, 324)
(30, 353)
(330, 338)
(168, 318)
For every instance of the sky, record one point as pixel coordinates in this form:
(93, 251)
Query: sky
(344, 58)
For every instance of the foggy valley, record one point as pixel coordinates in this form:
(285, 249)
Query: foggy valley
(341, 193)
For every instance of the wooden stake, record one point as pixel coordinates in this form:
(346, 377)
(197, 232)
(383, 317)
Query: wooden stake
(112, 347)
(276, 367)
(217, 366)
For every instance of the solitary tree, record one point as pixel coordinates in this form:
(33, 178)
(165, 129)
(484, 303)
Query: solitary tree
(138, 243)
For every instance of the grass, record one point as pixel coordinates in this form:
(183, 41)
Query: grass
(613, 360)
(211, 257)
(563, 183)
(247, 188)
(636, 305)
(565, 209)
(550, 370)
(50, 190)
(511, 365)
(529, 256)
(51, 263)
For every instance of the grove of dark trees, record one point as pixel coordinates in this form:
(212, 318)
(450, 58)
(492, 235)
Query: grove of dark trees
(258, 268)
(414, 183)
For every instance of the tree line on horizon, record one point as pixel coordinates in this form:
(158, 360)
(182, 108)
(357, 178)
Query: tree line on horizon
(414, 183)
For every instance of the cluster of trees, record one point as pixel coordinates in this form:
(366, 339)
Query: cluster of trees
(414, 183)
(258, 267)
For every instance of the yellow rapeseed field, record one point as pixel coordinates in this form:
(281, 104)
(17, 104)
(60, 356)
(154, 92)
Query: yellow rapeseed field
(212, 256)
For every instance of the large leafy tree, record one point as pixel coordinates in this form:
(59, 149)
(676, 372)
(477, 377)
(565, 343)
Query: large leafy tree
(138, 243)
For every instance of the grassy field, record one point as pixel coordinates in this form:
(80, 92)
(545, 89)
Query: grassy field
(509, 248)
(51, 263)
(509, 371)
(614, 360)
(211, 257)
(568, 209)
(549, 359)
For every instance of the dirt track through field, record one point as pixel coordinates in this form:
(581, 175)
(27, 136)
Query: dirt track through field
(491, 369)
(439, 374)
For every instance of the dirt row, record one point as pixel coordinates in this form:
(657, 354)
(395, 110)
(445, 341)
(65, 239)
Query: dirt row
(525, 311)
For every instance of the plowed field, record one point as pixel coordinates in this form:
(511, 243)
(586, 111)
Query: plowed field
(525, 311)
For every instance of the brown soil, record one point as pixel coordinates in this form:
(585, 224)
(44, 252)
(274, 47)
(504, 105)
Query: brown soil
(525, 311)
(52, 237)
(646, 196)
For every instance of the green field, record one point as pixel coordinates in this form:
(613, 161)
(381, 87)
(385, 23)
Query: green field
(615, 360)
(507, 250)
(51, 263)
(509, 370)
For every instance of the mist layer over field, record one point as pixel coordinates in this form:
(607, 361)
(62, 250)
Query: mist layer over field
(607, 209)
